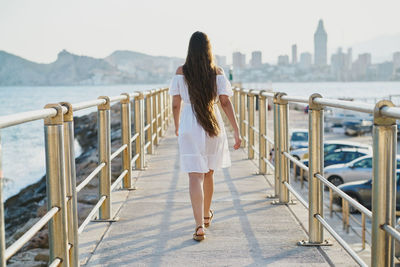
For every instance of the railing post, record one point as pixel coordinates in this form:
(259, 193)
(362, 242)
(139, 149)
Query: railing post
(250, 130)
(104, 144)
(283, 136)
(262, 128)
(236, 103)
(149, 119)
(160, 112)
(165, 113)
(70, 178)
(126, 134)
(56, 187)
(2, 229)
(383, 186)
(139, 128)
(316, 166)
(242, 116)
(155, 112)
(276, 148)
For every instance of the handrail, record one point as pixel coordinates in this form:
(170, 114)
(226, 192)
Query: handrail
(90, 177)
(349, 199)
(17, 245)
(59, 130)
(341, 241)
(384, 113)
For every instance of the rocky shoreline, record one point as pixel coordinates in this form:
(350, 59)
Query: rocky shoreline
(25, 208)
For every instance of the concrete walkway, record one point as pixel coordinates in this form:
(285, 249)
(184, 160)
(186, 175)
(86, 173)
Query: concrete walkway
(156, 224)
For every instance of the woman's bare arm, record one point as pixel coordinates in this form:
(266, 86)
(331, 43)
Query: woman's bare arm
(226, 105)
(176, 111)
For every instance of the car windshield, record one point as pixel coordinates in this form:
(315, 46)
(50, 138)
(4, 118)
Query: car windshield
(300, 136)
(337, 156)
(364, 163)
(329, 148)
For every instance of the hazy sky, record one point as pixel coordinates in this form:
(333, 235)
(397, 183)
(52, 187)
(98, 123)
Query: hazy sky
(39, 29)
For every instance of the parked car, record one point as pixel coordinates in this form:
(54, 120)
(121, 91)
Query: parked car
(360, 127)
(298, 138)
(343, 155)
(356, 170)
(362, 192)
(329, 146)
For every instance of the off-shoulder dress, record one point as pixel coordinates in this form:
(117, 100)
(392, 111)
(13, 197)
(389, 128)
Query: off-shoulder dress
(198, 151)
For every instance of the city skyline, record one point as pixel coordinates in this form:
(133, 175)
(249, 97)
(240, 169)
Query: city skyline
(97, 28)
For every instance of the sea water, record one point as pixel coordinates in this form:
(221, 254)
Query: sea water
(23, 145)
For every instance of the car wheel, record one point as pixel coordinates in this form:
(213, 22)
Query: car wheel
(335, 180)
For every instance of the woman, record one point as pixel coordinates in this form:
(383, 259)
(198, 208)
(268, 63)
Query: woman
(203, 144)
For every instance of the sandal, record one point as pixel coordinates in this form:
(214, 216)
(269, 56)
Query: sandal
(209, 219)
(198, 237)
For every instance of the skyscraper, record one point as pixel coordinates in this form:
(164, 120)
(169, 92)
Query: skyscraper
(396, 64)
(320, 45)
(238, 60)
(256, 59)
(294, 54)
(305, 60)
(283, 60)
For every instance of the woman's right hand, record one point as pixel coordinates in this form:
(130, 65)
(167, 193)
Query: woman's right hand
(238, 140)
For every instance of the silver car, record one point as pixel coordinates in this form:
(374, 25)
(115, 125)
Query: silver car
(358, 169)
(330, 146)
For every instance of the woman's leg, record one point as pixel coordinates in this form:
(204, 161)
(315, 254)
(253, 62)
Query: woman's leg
(197, 197)
(208, 188)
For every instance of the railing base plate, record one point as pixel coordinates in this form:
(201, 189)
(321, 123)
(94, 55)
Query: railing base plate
(312, 244)
(116, 219)
(271, 196)
(128, 188)
(291, 202)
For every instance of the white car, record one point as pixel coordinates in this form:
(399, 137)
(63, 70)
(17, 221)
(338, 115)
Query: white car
(358, 169)
(298, 138)
(329, 146)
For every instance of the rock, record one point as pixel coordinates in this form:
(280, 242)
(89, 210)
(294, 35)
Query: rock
(42, 257)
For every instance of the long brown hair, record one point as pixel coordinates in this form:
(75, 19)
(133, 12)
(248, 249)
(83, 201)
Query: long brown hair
(200, 75)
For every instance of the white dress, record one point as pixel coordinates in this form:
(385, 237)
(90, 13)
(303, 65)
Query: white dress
(198, 151)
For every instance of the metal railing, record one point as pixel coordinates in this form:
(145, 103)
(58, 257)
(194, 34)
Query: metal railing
(384, 164)
(152, 111)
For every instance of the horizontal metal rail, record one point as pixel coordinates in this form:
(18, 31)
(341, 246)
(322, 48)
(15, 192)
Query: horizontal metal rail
(353, 202)
(255, 129)
(298, 99)
(340, 240)
(55, 262)
(246, 122)
(268, 139)
(91, 214)
(153, 136)
(297, 195)
(87, 104)
(134, 137)
(147, 145)
(159, 129)
(255, 149)
(296, 161)
(118, 151)
(392, 231)
(90, 177)
(146, 127)
(17, 245)
(269, 163)
(135, 158)
(118, 180)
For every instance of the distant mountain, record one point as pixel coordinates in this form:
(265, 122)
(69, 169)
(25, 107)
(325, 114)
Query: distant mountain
(381, 47)
(121, 67)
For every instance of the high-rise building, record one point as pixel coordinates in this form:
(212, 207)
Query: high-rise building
(283, 60)
(294, 54)
(238, 60)
(340, 66)
(220, 60)
(256, 59)
(396, 64)
(305, 60)
(320, 45)
(349, 59)
(360, 66)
